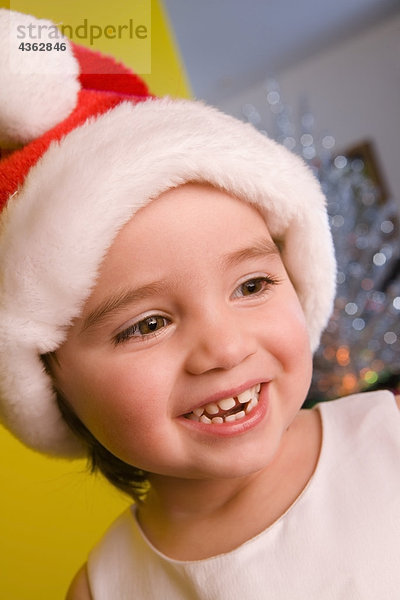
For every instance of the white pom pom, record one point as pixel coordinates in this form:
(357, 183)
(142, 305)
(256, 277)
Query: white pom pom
(38, 87)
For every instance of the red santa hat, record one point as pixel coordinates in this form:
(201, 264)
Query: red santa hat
(90, 147)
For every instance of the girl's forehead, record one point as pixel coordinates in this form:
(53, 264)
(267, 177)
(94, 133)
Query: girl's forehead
(198, 206)
(185, 229)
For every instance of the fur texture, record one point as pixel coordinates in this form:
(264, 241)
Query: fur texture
(57, 229)
(38, 89)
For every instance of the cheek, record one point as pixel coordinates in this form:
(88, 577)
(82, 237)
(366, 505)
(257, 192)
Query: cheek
(115, 398)
(288, 336)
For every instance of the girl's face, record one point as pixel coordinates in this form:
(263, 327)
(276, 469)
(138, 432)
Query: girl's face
(192, 314)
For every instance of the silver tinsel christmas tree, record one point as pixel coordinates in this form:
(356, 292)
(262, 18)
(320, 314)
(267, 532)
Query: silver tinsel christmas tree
(360, 348)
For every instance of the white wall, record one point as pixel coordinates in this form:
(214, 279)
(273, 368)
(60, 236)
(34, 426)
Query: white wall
(353, 90)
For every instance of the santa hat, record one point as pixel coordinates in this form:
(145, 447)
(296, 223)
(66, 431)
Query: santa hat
(94, 147)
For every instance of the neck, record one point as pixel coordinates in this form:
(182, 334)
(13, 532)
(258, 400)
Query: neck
(196, 497)
(200, 510)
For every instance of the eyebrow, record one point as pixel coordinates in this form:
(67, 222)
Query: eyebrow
(119, 301)
(259, 249)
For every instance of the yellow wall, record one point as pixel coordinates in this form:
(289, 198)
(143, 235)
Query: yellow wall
(51, 511)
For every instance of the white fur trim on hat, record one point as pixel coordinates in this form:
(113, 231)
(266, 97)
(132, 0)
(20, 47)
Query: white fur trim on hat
(38, 87)
(56, 231)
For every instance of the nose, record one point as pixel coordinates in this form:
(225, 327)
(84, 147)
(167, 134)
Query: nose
(218, 341)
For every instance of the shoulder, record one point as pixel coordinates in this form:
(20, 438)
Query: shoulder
(360, 404)
(79, 588)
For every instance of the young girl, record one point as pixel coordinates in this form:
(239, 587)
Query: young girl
(166, 274)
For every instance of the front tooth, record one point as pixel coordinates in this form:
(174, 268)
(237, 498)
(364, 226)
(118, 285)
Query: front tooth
(240, 415)
(205, 419)
(217, 420)
(230, 418)
(226, 403)
(212, 409)
(258, 388)
(245, 396)
(198, 411)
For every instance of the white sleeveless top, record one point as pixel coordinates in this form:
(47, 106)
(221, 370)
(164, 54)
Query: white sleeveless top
(340, 540)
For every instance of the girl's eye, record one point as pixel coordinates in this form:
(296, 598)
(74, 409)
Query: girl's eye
(146, 327)
(254, 286)
(151, 324)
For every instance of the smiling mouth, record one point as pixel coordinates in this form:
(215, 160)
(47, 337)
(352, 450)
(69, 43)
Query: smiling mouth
(227, 410)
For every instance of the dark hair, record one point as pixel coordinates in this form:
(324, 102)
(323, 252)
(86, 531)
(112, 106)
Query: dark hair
(127, 478)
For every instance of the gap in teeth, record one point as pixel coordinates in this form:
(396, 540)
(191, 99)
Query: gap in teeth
(227, 410)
